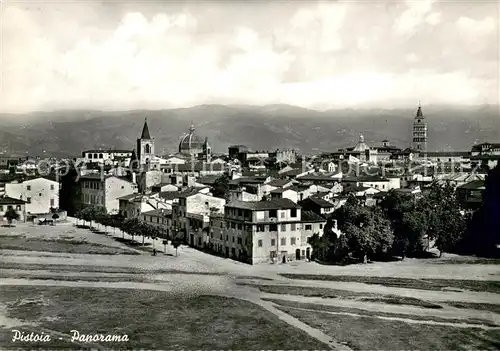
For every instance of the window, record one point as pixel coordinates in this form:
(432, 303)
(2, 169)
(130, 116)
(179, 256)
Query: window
(240, 226)
(283, 227)
(52, 187)
(283, 241)
(259, 243)
(273, 242)
(39, 194)
(321, 226)
(1, 208)
(233, 225)
(51, 202)
(293, 212)
(260, 228)
(308, 227)
(28, 200)
(273, 213)
(283, 214)
(292, 241)
(28, 187)
(233, 239)
(292, 227)
(273, 227)
(240, 213)
(240, 241)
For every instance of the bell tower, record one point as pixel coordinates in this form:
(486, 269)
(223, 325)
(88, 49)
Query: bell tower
(419, 131)
(145, 146)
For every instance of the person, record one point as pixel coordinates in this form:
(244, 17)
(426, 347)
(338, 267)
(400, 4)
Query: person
(154, 252)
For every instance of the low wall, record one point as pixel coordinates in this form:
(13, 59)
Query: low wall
(62, 216)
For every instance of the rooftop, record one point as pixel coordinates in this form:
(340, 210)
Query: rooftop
(309, 216)
(279, 182)
(319, 201)
(474, 185)
(5, 200)
(279, 204)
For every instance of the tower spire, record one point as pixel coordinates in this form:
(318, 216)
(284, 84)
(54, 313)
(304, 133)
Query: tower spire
(145, 130)
(191, 128)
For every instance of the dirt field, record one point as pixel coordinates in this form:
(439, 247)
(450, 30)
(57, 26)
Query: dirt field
(447, 303)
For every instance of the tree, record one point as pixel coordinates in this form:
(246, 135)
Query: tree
(367, 234)
(404, 216)
(55, 217)
(446, 224)
(176, 242)
(131, 227)
(11, 215)
(221, 186)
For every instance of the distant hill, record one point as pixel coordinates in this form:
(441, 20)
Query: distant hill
(67, 133)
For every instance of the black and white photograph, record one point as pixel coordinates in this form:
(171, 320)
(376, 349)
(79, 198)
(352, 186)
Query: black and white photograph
(250, 175)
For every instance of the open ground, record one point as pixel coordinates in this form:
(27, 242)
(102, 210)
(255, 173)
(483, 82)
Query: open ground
(55, 279)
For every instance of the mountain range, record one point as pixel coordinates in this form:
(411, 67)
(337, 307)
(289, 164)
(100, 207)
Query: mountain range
(67, 133)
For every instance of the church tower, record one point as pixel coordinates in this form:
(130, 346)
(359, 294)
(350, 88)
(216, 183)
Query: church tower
(145, 146)
(419, 131)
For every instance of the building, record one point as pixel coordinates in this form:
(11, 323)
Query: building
(470, 195)
(106, 156)
(318, 205)
(105, 191)
(419, 131)
(193, 207)
(145, 150)
(7, 203)
(376, 182)
(41, 194)
(265, 231)
(485, 155)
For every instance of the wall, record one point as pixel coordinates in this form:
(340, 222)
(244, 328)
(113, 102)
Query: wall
(43, 194)
(115, 188)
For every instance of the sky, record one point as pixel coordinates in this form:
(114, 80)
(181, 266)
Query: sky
(120, 55)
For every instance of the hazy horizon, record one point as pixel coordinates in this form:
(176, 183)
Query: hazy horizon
(122, 56)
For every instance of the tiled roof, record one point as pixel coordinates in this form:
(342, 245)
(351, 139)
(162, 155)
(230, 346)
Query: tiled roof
(320, 202)
(5, 200)
(158, 212)
(278, 204)
(475, 184)
(209, 179)
(374, 178)
(129, 197)
(169, 195)
(309, 216)
(356, 189)
(248, 180)
(279, 182)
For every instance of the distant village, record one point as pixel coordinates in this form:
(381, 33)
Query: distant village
(247, 205)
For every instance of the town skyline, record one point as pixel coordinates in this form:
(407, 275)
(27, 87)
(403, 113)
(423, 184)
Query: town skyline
(118, 56)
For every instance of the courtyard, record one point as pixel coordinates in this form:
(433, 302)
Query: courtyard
(55, 279)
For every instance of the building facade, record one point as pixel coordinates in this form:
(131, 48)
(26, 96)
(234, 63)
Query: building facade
(264, 231)
(105, 191)
(40, 194)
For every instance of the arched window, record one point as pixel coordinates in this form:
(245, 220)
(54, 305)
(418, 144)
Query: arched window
(100, 155)
(95, 155)
(147, 149)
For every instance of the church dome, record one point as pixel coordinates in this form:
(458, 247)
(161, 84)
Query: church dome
(191, 144)
(361, 146)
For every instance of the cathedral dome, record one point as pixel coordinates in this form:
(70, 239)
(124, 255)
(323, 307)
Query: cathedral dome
(361, 146)
(191, 144)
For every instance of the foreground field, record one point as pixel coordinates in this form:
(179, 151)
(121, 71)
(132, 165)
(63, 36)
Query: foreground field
(198, 301)
(151, 319)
